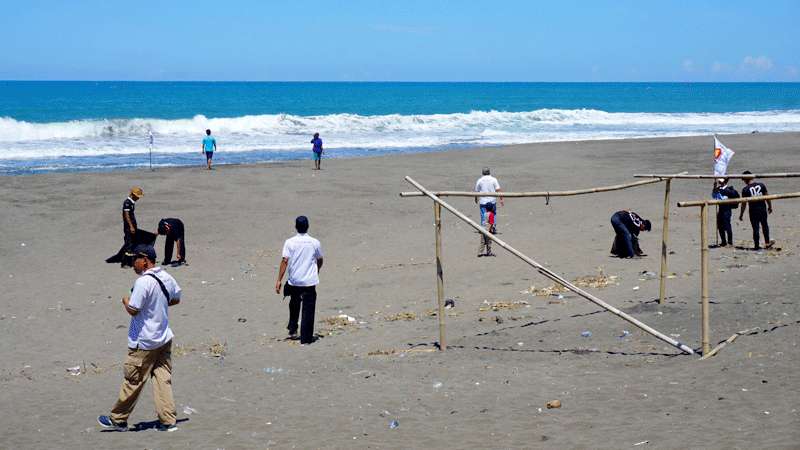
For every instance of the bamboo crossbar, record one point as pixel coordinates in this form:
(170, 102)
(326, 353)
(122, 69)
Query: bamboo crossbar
(552, 275)
(734, 201)
(615, 187)
(730, 175)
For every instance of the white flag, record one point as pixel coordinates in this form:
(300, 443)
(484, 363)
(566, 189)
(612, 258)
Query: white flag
(722, 156)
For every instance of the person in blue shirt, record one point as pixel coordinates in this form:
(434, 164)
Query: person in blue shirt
(208, 147)
(317, 149)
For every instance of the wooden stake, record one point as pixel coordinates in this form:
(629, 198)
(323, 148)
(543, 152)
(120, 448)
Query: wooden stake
(664, 239)
(704, 278)
(552, 275)
(437, 217)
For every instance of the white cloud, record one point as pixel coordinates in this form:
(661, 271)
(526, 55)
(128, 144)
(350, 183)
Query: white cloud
(688, 65)
(718, 67)
(793, 71)
(761, 63)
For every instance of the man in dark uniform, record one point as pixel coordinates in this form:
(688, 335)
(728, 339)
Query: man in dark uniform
(758, 210)
(129, 226)
(173, 230)
(627, 225)
(723, 191)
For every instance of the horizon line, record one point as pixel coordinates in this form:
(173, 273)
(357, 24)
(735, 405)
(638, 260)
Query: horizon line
(382, 81)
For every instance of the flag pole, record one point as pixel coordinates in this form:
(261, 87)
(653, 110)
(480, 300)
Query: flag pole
(716, 233)
(150, 146)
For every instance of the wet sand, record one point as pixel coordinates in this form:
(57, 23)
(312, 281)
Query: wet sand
(59, 307)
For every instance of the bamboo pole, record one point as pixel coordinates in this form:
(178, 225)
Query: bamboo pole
(730, 175)
(662, 276)
(735, 201)
(615, 187)
(724, 343)
(704, 319)
(552, 275)
(437, 216)
(664, 238)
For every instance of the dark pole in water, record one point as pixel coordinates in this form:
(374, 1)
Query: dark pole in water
(150, 133)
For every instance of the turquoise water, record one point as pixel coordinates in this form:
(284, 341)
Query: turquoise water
(73, 126)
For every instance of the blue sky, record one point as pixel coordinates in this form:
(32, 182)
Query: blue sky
(404, 40)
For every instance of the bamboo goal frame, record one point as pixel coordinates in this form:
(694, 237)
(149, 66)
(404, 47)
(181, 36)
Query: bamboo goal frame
(703, 204)
(662, 289)
(439, 203)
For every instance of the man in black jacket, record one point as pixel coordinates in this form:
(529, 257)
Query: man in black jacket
(627, 225)
(758, 210)
(173, 230)
(722, 191)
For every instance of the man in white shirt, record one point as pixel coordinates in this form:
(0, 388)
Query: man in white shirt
(487, 183)
(302, 256)
(149, 342)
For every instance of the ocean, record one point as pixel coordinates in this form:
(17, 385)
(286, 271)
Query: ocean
(100, 126)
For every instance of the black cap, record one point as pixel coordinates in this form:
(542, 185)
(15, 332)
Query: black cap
(301, 224)
(647, 225)
(144, 250)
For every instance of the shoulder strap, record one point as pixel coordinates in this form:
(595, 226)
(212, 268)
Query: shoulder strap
(161, 285)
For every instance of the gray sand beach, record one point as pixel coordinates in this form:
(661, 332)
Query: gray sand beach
(239, 384)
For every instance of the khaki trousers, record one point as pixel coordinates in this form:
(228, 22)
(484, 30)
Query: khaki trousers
(485, 242)
(139, 366)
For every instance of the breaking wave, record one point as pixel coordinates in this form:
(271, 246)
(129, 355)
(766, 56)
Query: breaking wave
(22, 140)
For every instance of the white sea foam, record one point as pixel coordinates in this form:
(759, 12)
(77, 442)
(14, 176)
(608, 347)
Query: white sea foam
(288, 133)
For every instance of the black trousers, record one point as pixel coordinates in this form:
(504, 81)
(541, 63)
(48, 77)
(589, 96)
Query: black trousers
(724, 226)
(304, 298)
(169, 243)
(759, 219)
(128, 244)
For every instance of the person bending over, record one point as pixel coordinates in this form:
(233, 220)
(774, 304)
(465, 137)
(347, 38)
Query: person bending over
(173, 230)
(627, 225)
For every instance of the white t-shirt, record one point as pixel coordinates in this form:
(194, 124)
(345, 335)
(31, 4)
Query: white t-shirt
(302, 251)
(149, 329)
(487, 183)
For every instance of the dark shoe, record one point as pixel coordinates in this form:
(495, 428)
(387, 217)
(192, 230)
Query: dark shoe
(106, 422)
(167, 427)
(771, 243)
(490, 254)
(166, 263)
(293, 336)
